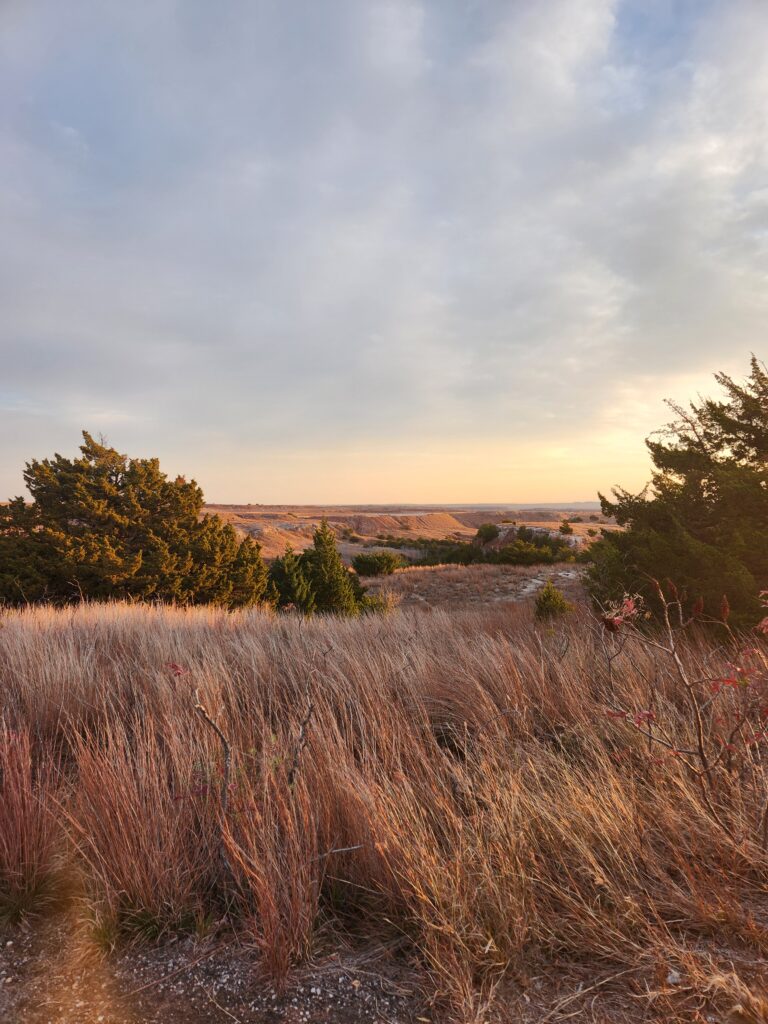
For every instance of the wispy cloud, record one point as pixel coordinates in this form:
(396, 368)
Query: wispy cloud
(261, 236)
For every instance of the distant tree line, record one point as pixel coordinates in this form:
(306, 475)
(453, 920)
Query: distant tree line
(522, 546)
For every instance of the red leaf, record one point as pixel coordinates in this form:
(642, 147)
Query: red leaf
(729, 681)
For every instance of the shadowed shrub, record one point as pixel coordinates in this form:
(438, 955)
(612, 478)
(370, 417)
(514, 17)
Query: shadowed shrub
(377, 563)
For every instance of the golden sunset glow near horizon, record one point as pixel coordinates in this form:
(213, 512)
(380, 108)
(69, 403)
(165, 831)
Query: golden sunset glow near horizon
(574, 468)
(378, 252)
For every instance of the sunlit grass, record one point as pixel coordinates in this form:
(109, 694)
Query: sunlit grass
(452, 780)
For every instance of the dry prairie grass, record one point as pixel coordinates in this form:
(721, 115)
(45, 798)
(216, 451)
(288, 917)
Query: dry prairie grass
(29, 847)
(450, 781)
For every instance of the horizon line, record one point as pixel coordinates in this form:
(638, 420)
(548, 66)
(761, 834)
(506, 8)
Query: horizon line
(402, 504)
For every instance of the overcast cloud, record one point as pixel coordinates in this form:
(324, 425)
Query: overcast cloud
(345, 250)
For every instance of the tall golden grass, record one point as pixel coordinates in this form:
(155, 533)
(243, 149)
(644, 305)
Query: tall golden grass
(460, 782)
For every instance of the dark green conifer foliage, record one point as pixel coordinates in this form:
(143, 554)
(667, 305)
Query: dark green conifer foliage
(550, 603)
(103, 526)
(331, 581)
(377, 563)
(487, 532)
(291, 585)
(704, 522)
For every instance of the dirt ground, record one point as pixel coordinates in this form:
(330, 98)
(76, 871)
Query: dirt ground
(466, 586)
(51, 974)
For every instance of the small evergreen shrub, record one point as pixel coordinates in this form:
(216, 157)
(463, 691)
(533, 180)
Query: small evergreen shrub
(377, 563)
(291, 588)
(486, 533)
(551, 603)
(336, 590)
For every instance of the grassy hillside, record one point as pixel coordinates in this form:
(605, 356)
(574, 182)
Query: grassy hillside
(472, 796)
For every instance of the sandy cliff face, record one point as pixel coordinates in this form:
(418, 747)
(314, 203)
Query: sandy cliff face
(276, 527)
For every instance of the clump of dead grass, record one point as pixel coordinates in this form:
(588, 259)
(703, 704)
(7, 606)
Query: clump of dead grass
(30, 839)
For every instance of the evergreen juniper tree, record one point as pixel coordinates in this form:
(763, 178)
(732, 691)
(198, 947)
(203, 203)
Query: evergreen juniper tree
(331, 581)
(103, 526)
(703, 522)
(291, 584)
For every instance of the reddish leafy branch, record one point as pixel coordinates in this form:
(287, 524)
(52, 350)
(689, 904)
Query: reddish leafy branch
(728, 714)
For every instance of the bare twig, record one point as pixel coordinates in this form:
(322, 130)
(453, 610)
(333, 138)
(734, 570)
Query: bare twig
(222, 1008)
(179, 970)
(225, 745)
(340, 849)
(227, 749)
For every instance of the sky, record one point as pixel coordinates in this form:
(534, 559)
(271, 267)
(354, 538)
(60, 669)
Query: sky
(377, 250)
